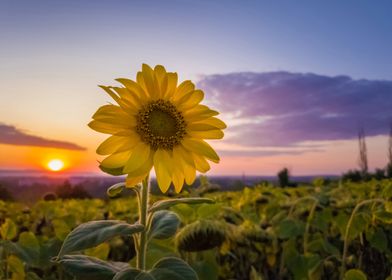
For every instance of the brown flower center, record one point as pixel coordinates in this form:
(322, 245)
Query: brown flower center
(160, 125)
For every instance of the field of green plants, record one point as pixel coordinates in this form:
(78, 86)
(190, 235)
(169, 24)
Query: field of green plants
(319, 231)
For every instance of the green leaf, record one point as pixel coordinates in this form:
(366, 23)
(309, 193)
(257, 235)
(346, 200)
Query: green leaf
(207, 211)
(354, 274)
(164, 224)
(91, 234)
(166, 204)
(173, 269)
(384, 216)
(289, 228)
(29, 241)
(101, 251)
(377, 239)
(8, 229)
(32, 276)
(89, 268)
(165, 269)
(15, 265)
(128, 274)
(116, 189)
(61, 229)
(207, 268)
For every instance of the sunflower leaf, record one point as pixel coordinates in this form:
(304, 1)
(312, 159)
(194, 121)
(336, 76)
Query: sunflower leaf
(165, 204)
(164, 224)
(90, 268)
(93, 233)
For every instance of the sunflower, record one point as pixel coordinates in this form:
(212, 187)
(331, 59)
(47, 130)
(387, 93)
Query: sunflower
(158, 124)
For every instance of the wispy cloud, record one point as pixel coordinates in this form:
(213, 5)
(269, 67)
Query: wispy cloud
(13, 136)
(283, 109)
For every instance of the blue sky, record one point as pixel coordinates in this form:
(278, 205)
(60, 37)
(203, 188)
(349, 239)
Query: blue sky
(54, 53)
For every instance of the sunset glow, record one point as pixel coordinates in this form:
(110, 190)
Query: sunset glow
(55, 165)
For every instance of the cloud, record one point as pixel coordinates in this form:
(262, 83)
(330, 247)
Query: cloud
(12, 136)
(264, 153)
(283, 109)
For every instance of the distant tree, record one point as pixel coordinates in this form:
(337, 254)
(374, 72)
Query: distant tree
(64, 191)
(389, 166)
(67, 191)
(390, 145)
(49, 196)
(79, 192)
(5, 194)
(363, 161)
(352, 175)
(379, 174)
(284, 177)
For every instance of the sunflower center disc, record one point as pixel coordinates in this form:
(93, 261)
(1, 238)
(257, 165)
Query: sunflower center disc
(160, 125)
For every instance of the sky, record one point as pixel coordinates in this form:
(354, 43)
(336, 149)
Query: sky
(294, 80)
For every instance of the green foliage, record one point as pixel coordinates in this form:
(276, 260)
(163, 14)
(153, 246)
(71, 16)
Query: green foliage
(167, 203)
(248, 234)
(354, 274)
(93, 233)
(164, 224)
(8, 230)
(164, 269)
(90, 268)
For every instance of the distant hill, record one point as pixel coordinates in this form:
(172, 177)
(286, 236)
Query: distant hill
(31, 186)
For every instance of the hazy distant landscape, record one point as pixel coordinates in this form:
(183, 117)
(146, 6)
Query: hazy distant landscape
(32, 186)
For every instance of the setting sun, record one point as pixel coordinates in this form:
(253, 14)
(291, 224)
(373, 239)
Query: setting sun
(55, 165)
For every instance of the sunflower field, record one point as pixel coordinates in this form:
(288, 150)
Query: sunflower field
(318, 231)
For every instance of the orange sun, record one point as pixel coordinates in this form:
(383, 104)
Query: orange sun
(55, 165)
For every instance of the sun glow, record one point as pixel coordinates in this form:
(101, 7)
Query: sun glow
(55, 165)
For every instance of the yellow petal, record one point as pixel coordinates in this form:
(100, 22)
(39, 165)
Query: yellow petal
(201, 164)
(120, 121)
(177, 176)
(108, 110)
(106, 127)
(117, 143)
(133, 87)
(115, 115)
(149, 81)
(184, 88)
(200, 147)
(172, 80)
(199, 112)
(129, 99)
(144, 168)
(200, 127)
(132, 181)
(116, 160)
(161, 78)
(190, 174)
(190, 100)
(111, 93)
(162, 166)
(138, 157)
(110, 145)
(214, 122)
(184, 154)
(208, 134)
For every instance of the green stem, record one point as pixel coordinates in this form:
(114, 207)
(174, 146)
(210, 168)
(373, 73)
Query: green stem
(350, 221)
(143, 208)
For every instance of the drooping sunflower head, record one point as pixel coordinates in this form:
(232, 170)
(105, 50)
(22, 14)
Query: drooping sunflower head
(156, 123)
